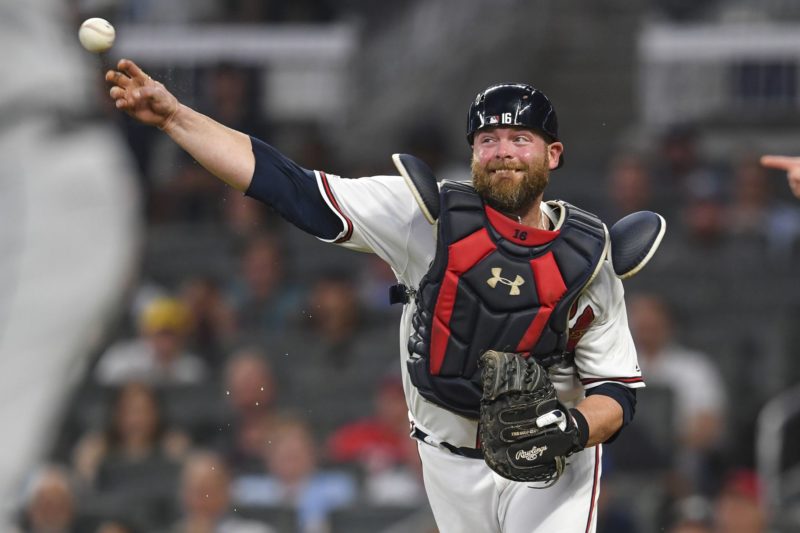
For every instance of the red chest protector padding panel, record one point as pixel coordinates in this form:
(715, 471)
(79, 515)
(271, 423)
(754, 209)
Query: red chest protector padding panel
(495, 284)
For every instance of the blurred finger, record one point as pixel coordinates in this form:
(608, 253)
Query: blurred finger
(118, 78)
(780, 162)
(133, 70)
(117, 92)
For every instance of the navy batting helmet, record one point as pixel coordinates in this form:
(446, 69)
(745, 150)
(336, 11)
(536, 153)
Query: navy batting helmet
(513, 104)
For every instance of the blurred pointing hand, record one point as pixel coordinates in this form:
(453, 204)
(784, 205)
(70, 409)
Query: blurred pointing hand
(790, 164)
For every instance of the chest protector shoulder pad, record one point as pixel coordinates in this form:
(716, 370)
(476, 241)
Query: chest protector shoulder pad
(498, 285)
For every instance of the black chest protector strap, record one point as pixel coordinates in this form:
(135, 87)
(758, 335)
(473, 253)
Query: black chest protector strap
(495, 284)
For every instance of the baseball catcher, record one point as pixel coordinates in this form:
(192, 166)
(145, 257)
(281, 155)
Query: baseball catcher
(503, 269)
(526, 433)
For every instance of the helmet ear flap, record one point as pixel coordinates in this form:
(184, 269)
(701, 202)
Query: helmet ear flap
(513, 104)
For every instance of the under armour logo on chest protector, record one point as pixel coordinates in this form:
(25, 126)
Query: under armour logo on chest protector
(497, 278)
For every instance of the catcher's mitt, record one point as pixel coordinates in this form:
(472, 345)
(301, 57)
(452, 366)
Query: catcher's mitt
(526, 433)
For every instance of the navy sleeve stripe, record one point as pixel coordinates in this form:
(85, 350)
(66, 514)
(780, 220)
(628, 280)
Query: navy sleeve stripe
(332, 201)
(624, 396)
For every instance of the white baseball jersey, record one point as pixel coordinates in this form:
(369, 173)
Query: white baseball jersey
(380, 215)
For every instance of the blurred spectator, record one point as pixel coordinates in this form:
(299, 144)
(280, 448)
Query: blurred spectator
(158, 355)
(292, 478)
(381, 447)
(183, 191)
(250, 395)
(206, 499)
(50, 505)
(135, 434)
(698, 390)
(755, 213)
(614, 516)
(263, 297)
(375, 440)
(116, 526)
(333, 352)
(186, 194)
(680, 165)
(427, 141)
(696, 255)
(751, 198)
(704, 214)
(232, 98)
(630, 188)
(692, 514)
(214, 320)
(245, 217)
(697, 250)
(307, 142)
(737, 508)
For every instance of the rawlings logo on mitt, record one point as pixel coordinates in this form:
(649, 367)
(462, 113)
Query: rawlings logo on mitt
(526, 433)
(531, 455)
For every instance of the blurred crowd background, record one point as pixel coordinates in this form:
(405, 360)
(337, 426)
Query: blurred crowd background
(248, 380)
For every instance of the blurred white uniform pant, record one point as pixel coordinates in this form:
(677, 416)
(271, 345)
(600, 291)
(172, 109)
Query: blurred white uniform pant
(466, 495)
(68, 238)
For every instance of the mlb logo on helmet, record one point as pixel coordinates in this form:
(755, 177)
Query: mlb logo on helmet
(505, 118)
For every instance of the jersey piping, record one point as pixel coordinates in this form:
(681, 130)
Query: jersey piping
(595, 492)
(627, 381)
(330, 199)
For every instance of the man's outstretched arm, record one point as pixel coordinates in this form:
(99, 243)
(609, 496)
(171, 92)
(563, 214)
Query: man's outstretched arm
(226, 153)
(246, 164)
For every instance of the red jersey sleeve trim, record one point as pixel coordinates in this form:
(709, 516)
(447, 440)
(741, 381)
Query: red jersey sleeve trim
(330, 199)
(625, 381)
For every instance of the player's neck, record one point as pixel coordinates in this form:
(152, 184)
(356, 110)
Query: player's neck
(534, 217)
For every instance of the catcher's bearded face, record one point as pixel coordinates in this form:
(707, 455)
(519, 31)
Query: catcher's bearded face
(510, 168)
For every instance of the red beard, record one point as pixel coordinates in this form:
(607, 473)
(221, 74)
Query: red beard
(508, 195)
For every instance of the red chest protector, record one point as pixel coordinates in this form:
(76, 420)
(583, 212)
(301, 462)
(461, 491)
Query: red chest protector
(495, 284)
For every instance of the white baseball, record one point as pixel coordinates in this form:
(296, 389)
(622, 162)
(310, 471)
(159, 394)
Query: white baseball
(97, 35)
